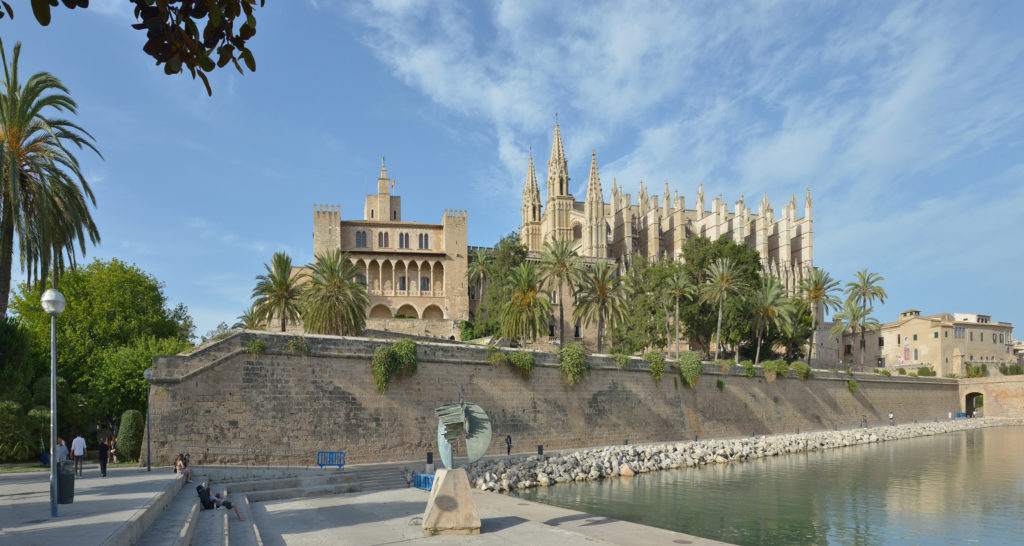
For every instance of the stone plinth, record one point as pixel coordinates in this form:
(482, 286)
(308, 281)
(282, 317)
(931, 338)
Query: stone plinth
(450, 508)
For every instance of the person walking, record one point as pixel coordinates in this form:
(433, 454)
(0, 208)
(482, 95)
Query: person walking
(892, 419)
(78, 450)
(104, 452)
(508, 444)
(62, 450)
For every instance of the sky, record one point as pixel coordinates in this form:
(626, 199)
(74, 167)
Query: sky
(903, 118)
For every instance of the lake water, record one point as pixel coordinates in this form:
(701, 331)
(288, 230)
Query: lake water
(960, 488)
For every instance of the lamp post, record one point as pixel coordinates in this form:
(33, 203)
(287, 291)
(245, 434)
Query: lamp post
(53, 303)
(148, 374)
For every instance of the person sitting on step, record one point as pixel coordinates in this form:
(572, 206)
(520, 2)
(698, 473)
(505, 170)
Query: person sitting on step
(220, 499)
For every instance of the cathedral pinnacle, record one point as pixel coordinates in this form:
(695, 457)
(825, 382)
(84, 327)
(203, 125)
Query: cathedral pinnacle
(383, 168)
(594, 192)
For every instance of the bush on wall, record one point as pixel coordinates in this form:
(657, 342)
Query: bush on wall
(393, 360)
(523, 363)
(573, 363)
(689, 368)
(656, 361)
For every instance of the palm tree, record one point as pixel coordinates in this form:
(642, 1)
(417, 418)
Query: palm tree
(819, 290)
(559, 263)
(478, 271)
(599, 297)
(770, 306)
(679, 287)
(277, 293)
(796, 327)
(854, 316)
(864, 291)
(248, 319)
(527, 310)
(333, 302)
(722, 281)
(44, 198)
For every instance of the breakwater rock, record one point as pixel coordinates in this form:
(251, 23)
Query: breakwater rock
(627, 460)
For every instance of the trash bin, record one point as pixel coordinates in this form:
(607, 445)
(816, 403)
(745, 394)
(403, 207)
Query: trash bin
(66, 480)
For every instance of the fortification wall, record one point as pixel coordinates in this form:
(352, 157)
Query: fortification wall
(321, 395)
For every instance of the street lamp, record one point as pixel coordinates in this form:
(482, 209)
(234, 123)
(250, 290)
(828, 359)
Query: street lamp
(148, 374)
(53, 303)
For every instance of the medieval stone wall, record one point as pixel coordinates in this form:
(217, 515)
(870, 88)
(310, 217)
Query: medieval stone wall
(317, 393)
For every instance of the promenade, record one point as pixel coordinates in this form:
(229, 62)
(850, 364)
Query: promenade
(112, 510)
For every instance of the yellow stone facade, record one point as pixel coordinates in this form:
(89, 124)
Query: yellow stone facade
(410, 269)
(943, 342)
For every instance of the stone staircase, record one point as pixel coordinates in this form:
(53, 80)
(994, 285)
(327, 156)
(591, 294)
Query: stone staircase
(183, 522)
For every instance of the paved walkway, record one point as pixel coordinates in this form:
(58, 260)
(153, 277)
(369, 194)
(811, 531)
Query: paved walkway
(393, 516)
(102, 509)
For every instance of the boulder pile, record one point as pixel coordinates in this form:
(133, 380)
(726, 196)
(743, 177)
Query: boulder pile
(594, 464)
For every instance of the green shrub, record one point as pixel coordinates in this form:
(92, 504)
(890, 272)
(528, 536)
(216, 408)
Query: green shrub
(621, 360)
(298, 345)
(886, 373)
(15, 441)
(496, 356)
(902, 371)
(256, 346)
(976, 371)
(656, 362)
(720, 385)
(849, 372)
(876, 370)
(780, 367)
(573, 363)
(951, 375)
(467, 331)
(852, 385)
(926, 372)
(911, 374)
(748, 369)
(689, 368)
(129, 438)
(802, 370)
(1012, 369)
(523, 363)
(393, 360)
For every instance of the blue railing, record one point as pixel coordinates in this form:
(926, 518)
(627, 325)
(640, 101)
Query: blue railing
(423, 481)
(330, 458)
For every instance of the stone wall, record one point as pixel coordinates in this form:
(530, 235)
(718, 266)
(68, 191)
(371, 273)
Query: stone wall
(1003, 395)
(317, 393)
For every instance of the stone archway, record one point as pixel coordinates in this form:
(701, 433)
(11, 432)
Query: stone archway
(380, 311)
(433, 312)
(974, 401)
(407, 311)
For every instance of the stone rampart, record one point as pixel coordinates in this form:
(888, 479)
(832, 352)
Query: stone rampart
(317, 393)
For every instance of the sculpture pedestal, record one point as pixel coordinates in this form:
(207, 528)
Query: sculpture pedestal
(450, 508)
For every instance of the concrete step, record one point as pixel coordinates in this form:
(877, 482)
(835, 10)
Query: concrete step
(380, 479)
(212, 527)
(285, 483)
(297, 492)
(175, 525)
(243, 533)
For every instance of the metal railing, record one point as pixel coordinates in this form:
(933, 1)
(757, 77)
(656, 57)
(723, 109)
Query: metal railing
(248, 456)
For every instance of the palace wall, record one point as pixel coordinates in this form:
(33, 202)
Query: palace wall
(317, 393)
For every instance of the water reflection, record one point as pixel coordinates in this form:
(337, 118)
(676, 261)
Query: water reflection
(954, 488)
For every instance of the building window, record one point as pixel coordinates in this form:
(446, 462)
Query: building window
(981, 336)
(426, 241)
(472, 292)
(945, 333)
(394, 215)
(897, 339)
(848, 350)
(551, 330)
(403, 240)
(401, 283)
(972, 336)
(424, 283)
(915, 354)
(915, 337)
(936, 336)
(881, 341)
(361, 279)
(576, 331)
(361, 239)
(1000, 338)
(371, 214)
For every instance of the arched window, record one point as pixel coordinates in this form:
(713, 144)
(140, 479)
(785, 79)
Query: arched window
(424, 283)
(394, 215)
(380, 240)
(361, 279)
(426, 241)
(577, 231)
(371, 213)
(419, 239)
(386, 244)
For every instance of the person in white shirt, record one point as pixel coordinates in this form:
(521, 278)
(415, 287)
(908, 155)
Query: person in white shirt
(78, 450)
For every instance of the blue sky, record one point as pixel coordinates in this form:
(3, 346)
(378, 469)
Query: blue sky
(904, 119)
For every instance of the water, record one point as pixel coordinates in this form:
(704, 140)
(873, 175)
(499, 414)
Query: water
(963, 487)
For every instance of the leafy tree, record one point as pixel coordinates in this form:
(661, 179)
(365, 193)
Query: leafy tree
(129, 439)
(560, 264)
(646, 325)
(118, 383)
(600, 298)
(526, 312)
(770, 306)
(277, 293)
(479, 269)
(819, 290)
(43, 194)
(679, 287)
(508, 254)
(109, 304)
(699, 315)
(864, 291)
(854, 316)
(17, 367)
(248, 320)
(221, 331)
(723, 280)
(333, 302)
(172, 30)
(795, 328)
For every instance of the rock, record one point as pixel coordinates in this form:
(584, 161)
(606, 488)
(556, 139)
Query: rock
(625, 470)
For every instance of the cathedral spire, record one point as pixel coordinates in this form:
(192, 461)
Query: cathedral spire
(807, 204)
(558, 167)
(594, 192)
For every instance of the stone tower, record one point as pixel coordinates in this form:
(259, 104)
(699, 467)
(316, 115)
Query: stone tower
(530, 230)
(595, 237)
(560, 201)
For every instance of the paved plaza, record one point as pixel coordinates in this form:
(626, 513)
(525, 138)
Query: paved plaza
(105, 511)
